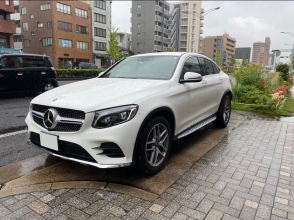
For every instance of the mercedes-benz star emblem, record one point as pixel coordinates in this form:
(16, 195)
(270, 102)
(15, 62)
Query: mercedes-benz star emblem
(49, 119)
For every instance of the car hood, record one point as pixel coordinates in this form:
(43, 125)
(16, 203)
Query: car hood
(100, 93)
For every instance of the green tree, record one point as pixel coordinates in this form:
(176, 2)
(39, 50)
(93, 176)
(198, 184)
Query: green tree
(113, 50)
(170, 49)
(233, 60)
(244, 62)
(218, 58)
(283, 68)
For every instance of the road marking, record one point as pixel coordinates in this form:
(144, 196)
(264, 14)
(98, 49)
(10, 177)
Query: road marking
(13, 133)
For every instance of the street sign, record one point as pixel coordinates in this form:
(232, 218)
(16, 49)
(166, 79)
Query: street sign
(276, 52)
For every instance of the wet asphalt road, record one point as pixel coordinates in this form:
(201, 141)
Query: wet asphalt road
(13, 110)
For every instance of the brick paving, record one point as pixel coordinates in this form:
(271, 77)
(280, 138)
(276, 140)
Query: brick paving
(248, 175)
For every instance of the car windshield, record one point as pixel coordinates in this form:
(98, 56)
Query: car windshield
(144, 67)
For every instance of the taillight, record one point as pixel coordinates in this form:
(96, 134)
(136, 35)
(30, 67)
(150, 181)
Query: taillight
(54, 71)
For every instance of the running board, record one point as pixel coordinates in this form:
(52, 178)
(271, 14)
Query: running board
(195, 127)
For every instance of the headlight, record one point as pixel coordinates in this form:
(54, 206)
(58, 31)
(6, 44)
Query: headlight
(114, 116)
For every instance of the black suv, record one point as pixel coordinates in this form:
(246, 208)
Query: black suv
(84, 65)
(26, 72)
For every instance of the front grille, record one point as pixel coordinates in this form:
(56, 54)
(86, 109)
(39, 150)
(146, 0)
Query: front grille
(61, 126)
(66, 149)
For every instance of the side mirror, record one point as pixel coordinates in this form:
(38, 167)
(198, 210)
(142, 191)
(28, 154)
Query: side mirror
(100, 74)
(191, 77)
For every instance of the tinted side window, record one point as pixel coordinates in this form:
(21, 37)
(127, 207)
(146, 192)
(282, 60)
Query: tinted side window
(47, 62)
(11, 62)
(208, 69)
(216, 68)
(191, 65)
(33, 62)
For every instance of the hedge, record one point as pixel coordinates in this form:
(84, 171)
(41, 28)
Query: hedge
(78, 73)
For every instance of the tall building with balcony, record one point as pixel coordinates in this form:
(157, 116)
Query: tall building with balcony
(190, 22)
(7, 26)
(150, 26)
(224, 45)
(124, 43)
(60, 29)
(17, 38)
(101, 24)
(261, 52)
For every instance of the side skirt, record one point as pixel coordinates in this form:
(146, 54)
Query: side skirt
(195, 127)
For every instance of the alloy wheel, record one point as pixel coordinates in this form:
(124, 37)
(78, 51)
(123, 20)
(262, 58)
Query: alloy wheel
(48, 86)
(227, 110)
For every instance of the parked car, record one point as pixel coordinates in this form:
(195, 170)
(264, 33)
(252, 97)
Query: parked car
(26, 72)
(84, 65)
(132, 112)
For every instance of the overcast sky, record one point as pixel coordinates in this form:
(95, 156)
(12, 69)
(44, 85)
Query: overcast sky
(246, 21)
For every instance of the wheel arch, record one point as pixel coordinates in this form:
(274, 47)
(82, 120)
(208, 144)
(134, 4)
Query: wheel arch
(162, 111)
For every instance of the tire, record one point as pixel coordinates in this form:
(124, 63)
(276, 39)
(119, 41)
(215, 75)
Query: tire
(154, 150)
(48, 86)
(224, 113)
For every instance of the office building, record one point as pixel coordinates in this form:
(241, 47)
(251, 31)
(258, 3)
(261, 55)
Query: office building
(243, 53)
(224, 45)
(7, 26)
(60, 29)
(124, 43)
(190, 23)
(261, 52)
(101, 24)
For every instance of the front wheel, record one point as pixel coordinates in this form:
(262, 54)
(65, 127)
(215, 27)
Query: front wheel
(154, 146)
(224, 112)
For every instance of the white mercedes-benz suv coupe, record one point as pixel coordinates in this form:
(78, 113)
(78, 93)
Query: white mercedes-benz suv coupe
(131, 113)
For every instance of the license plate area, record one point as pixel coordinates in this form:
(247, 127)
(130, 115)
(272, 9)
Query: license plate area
(49, 141)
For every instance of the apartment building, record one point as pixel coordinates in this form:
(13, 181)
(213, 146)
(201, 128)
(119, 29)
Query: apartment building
(224, 45)
(150, 25)
(60, 29)
(17, 38)
(190, 22)
(243, 53)
(101, 24)
(7, 26)
(124, 43)
(260, 53)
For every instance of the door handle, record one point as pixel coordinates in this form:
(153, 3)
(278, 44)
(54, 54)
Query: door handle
(19, 74)
(43, 72)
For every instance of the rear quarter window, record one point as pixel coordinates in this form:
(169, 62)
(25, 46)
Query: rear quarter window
(47, 62)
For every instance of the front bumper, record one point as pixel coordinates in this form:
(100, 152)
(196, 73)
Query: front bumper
(91, 139)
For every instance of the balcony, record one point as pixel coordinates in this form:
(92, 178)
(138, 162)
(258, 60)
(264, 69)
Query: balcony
(201, 31)
(157, 28)
(166, 12)
(183, 45)
(6, 8)
(183, 38)
(17, 45)
(202, 10)
(165, 49)
(15, 16)
(169, 22)
(157, 48)
(201, 17)
(201, 24)
(184, 30)
(158, 8)
(157, 38)
(184, 24)
(158, 18)
(7, 26)
(18, 31)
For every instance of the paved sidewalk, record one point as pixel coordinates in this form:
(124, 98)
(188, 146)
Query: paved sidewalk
(248, 175)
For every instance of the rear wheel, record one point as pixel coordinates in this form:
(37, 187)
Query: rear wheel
(154, 146)
(224, 112)
(48, 86)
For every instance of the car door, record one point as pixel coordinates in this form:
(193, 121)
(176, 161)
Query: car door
(213, 83)
(190, 98)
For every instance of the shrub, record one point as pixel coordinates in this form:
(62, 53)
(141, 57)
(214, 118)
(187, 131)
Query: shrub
(283, 68)
(78, 73)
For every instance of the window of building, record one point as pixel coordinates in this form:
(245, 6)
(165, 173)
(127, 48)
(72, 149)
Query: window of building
(139, 25)
(139, 6)
(81, 13)
(45, 7)
(100, 46)
(32, 16)
(25, 26)
(63, 8)
(64, 26)
(138, 44)
(7, 2)
(65, 43)
(33, 33)
(40, 25)
(139, 15)
(99, 18)
(100, 4)
(82, 29)
(47, 42)
(83, 45)
(24, 11)
(26, 43)
(99, 32)
(138, 34)
(49, 24)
